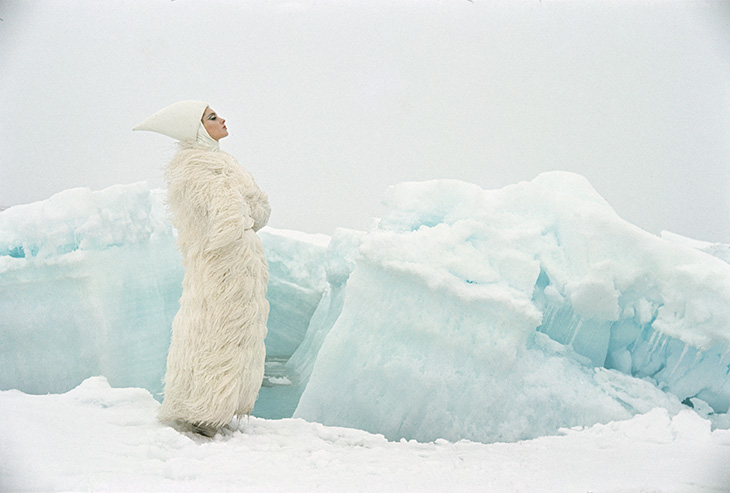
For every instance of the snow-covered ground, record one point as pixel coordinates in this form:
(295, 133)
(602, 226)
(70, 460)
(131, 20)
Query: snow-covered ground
(97, 438)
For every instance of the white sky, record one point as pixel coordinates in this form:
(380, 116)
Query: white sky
(330, 102)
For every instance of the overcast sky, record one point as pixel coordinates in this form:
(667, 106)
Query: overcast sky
(330, 102)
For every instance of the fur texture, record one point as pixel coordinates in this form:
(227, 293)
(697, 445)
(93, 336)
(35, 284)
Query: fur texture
(216, 361)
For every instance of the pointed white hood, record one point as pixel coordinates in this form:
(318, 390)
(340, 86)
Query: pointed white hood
(181, 121)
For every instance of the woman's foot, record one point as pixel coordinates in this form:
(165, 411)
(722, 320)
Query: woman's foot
(205, 430)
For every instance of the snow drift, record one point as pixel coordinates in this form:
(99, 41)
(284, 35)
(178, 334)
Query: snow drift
(123, 447)
(491, 315)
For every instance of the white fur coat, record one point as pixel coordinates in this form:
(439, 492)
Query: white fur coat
(216, 361)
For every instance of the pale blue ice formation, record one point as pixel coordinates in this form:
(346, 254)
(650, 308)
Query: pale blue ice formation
(90, 282)
(464, 313)
(508, 314)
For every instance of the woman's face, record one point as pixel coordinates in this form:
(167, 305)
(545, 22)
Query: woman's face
(214, 124)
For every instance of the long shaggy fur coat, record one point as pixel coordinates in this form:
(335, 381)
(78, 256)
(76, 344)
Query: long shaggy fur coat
(216, 361)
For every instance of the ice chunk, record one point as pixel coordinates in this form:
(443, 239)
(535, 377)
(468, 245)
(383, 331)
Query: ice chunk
(718, 250)
(507, 314)
(276, 401)
(297, 280)
(90, 282)
(342, 253)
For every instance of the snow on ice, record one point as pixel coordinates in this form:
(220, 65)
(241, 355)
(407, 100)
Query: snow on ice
(463, 314)
(98, 438)
(505, 315)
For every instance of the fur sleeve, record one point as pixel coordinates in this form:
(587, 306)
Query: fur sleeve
(202, 185)
(257, 201)
(260, 209)
(228, 215)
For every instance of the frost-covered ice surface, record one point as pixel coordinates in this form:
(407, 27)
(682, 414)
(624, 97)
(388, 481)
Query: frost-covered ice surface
(463, 315)
(90, 282)
(719, 250)
(96, 438)
(506, 315)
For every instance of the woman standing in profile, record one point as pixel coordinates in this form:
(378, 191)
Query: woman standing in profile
(215, 365)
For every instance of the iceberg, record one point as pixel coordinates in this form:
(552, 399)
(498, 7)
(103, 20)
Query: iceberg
(505, 315)
(463, 313)
(90, 283)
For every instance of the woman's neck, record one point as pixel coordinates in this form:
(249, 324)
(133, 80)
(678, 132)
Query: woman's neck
(206, 140)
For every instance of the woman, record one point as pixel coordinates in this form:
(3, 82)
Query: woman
(215, 365)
